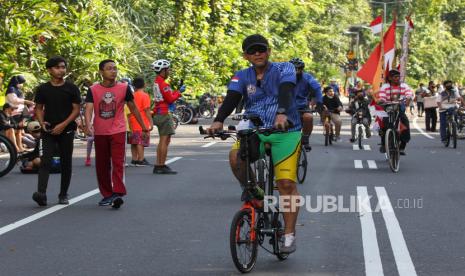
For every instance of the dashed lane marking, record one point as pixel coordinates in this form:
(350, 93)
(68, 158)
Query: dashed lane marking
(372, 164)
(373, 265)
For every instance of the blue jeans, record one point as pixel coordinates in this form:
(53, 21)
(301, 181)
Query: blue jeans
(443, 122)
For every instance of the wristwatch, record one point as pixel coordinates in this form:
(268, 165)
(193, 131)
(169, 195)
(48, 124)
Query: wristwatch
(281, 111)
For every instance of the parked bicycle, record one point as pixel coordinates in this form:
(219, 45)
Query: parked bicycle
(185, 111)
(207, 106)
(8, 155)
(253, 226)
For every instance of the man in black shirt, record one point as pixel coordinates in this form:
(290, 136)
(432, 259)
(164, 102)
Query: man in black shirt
(332, 104)
(57, 106)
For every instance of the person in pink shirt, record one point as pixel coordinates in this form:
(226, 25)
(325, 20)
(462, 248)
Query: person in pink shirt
(106, 101)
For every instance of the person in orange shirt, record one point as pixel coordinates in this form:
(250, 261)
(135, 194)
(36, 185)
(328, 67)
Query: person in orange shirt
(137, 141)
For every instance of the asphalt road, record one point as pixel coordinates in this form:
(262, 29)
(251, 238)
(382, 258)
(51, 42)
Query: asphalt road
(179, 225)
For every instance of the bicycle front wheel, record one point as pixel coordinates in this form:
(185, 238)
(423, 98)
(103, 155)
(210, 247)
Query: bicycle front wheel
(448, 134)
(243, 246)
(302, 166)
(8, 155)
(360, 137)
(392, 149)
(454, 134)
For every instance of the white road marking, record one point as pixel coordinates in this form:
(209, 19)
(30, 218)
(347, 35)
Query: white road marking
(365, 147)
(174, 159)
(399, 247)
(44, 213)
(372, 164)
(209, 144)
(373, 265)
(48, 211)
(421, 130)
(358, 164)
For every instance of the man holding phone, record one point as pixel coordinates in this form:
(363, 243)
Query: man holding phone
(57, 106)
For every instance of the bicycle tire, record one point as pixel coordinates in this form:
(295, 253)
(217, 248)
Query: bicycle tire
(279, 234)
(187, 115)
(261, 173)
(7, 159)
(302, 166)
(175, 120)
(360, 137)
(392, 149)
(448, 134)
(205, 111)
(242, 218)
(454, 135)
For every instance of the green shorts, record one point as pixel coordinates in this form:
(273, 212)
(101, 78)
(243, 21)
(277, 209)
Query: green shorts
(285, 149)
(164, 123)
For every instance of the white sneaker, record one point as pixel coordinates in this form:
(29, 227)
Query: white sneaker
(289, 244)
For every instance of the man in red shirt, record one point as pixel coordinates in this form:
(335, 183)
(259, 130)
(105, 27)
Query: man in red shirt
(163, 97)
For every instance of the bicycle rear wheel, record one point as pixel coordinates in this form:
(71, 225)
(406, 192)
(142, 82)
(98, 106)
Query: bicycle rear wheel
(8, 155)
(243, 247)
(454, 134)
(279, 235)
(392, 149)
(302, 166)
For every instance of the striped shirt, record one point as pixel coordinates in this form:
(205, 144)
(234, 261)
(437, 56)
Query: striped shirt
(261, 97)
(390, 93)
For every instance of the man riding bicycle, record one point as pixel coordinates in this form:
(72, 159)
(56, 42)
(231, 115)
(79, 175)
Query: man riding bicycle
(393, 91)
(447, 99)
(268, 91)
(307, 87)
(359, 104)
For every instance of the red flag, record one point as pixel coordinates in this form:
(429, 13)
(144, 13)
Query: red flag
(376, 25)
(368, 71)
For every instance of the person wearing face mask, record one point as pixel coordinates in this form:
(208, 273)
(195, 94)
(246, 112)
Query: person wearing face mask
(333, 104)
(447, 99)
(360, 103)
(307, 87)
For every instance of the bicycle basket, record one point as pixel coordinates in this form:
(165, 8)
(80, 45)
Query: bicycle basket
(253, 144)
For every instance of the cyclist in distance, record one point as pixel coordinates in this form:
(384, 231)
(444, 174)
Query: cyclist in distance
(391, 91)
(307, 87)
(448, 98)
(268, 91)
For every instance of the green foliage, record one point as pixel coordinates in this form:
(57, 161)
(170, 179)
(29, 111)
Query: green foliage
(202, 38)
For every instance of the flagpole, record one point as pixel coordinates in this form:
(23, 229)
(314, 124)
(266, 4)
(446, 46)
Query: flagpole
(405, 49)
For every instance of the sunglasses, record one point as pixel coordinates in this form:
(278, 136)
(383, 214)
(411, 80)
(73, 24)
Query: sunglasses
(257, 48)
